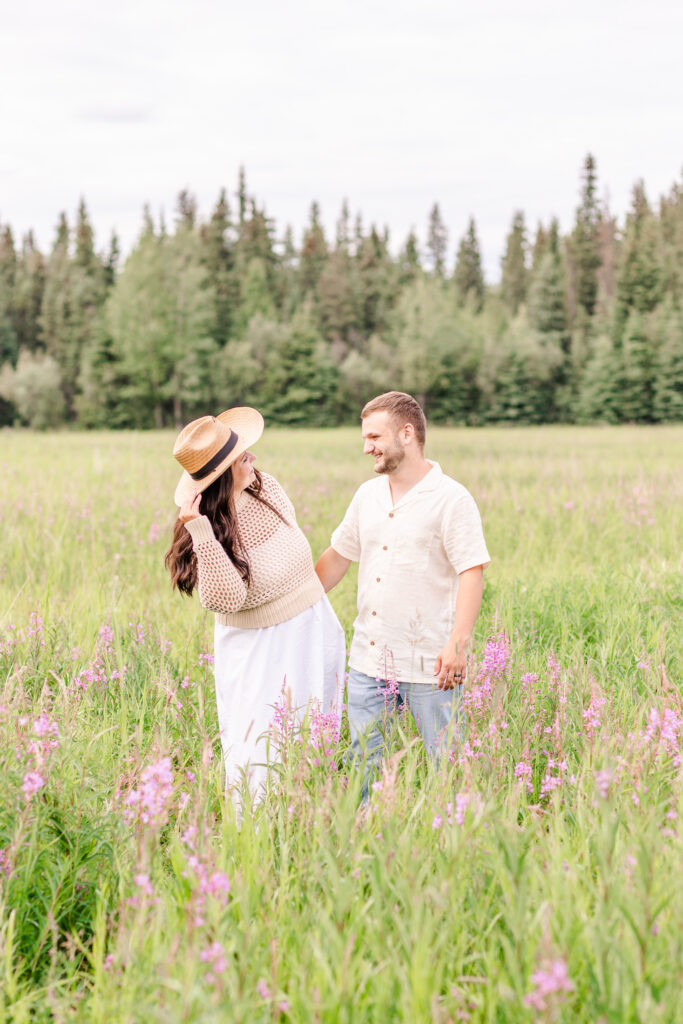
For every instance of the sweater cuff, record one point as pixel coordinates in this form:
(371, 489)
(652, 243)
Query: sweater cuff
(200, 530)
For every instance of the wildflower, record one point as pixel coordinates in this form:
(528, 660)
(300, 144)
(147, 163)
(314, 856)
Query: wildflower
(553, 978)
(438, 821)
(523, 772)
(33, 781)
(603, 780)
(214, 955)
(143, 882)
(262, 989)
(462, 801)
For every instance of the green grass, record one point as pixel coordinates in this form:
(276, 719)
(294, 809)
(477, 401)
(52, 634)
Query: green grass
(569, 846)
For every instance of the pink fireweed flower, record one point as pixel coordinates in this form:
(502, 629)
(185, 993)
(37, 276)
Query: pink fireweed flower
(551, 979)
(524, 772)
(437, 822)
(262, 989)
(214, 956)
(5, 863)
(462, 802)
(149, 803)
(33, 781)
(142, 881)
(106, 637)
(603, 781)
(591, 715)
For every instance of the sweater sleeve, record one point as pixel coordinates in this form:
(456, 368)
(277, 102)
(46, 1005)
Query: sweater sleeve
(221, 588)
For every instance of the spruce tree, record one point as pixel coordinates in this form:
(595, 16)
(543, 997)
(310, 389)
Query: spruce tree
(585, 242)
(639, 273)
(8, 273)
(217, 254)
(468, 277)
(515, 271)
(437, 241)
(28, 293)
(313, 252)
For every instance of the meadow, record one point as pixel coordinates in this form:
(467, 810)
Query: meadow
(536, 876)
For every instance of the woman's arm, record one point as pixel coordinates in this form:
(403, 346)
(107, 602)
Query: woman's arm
(220, 586)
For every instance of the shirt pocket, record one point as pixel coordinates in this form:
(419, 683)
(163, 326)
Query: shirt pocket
(411, 554)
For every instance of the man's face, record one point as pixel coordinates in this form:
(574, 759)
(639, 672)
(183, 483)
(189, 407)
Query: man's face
(382, 441)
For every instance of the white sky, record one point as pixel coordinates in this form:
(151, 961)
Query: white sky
(483, 106)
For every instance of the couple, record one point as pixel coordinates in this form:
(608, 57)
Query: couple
(418, 538)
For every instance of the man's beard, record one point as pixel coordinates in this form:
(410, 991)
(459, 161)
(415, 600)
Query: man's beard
(391, 459)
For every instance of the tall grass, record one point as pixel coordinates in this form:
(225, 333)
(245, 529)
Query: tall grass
(535, 876)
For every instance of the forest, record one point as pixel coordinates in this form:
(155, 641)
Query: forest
(207, 313)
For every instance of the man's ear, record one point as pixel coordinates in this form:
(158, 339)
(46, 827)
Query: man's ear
(408, 432)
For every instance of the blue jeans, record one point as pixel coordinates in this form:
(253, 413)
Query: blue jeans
(436, 714)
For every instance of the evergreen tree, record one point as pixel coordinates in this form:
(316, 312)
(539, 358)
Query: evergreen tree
(636, 372)
(539, 248)
(343, 237)
(218, 257)
(28, 294)
(111, 262)
(313, 252)
(409, 260)
(242, 198)
(668, 388)
(468, 277)
(585, 243)
(335, 297)
(639, 275)
(437, 241)
(515, 271)
(55, 313)
(301, 378)
(8, 273)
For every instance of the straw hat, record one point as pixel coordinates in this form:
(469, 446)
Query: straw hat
(207, 446)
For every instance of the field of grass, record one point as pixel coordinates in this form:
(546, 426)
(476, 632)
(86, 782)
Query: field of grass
(534, 877)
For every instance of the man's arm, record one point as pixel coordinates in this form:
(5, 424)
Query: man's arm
(331, 567)
(453, 658)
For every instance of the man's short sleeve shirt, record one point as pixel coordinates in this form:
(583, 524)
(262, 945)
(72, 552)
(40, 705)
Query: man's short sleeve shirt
(410, 555)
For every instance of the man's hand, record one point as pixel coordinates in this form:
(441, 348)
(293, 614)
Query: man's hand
(451, 665)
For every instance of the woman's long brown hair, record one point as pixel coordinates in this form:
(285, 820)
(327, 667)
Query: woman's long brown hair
(218, 506)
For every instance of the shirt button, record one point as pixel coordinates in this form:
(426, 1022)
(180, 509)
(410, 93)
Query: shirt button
(372, 643)
(384, 547)
(374, 613)
(378, 579)
(391, 515)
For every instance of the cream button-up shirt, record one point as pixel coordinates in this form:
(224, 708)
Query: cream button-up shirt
(410, 555)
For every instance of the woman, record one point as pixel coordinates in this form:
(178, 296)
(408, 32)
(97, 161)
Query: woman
(236, 539)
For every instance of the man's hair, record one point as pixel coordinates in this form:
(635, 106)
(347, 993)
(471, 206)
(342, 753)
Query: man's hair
(402, 409)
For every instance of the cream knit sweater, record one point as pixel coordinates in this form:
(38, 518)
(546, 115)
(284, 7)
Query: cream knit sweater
(283, 580)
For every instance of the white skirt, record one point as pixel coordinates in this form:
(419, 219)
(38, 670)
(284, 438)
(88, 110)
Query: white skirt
(298, 663)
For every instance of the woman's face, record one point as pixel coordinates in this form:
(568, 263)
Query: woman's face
(243, 471)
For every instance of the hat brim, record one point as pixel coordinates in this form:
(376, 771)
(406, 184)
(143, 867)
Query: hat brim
(248, 425)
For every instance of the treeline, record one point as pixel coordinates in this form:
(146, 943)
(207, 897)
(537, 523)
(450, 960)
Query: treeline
(211, 313)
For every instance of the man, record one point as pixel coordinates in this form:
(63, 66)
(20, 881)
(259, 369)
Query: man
(418, 539)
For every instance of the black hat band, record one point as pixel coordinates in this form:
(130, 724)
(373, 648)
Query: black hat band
(215, 461)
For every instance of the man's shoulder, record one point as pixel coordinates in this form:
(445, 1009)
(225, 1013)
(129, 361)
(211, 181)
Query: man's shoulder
(451, 488)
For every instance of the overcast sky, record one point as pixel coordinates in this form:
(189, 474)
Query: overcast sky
(485, 106)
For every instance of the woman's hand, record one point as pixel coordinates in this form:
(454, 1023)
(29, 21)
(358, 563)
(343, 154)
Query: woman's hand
(190, 509)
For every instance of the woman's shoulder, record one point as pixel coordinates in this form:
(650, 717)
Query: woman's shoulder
(272, 489)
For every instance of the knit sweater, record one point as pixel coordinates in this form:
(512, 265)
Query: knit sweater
(283, 580)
